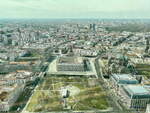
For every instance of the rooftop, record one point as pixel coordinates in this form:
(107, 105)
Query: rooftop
(124, 78)
(137, 90)
(70, 60)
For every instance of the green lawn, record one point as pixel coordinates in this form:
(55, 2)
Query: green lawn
(143, 69)
(47, 97)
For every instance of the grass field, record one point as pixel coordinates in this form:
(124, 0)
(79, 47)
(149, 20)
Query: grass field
(143, 69)
(85, 94)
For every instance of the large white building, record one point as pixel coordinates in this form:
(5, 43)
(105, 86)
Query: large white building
(118, 80)
(70, 64)
(19, 77)
(85, 52)
(135, 96)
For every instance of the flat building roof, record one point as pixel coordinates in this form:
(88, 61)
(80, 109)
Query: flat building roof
(70, 60)
(125, 79)
(137, 89)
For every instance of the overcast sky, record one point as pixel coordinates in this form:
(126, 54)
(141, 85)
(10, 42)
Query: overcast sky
(75, 9)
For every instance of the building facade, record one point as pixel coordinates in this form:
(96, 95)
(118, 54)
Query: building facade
(70, 64)
(118, 80)
(135, 96)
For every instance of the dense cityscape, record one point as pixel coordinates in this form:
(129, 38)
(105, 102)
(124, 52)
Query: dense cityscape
(74, 66)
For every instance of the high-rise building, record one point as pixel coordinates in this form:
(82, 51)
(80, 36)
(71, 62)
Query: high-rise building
(93, 27)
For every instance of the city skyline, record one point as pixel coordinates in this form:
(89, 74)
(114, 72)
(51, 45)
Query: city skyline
(116, 9)
(67, 64)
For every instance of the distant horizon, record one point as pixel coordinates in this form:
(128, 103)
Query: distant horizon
(111, 9)
(74, 18)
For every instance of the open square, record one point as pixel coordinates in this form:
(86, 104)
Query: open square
(84, 94)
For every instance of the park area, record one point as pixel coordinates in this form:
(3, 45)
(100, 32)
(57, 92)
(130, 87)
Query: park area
(143, 69)
(84, 94)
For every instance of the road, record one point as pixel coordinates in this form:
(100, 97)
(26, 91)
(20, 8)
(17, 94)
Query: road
(119, 108)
